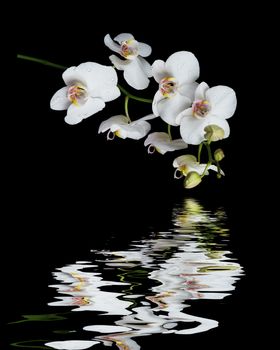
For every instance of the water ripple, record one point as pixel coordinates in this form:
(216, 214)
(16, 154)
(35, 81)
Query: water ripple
(151, 285)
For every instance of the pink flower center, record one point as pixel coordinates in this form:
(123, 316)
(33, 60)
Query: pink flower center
(129, 49)
(168, 86)
(77, 94)
(200, 108)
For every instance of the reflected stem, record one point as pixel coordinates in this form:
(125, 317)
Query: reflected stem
(26, 344)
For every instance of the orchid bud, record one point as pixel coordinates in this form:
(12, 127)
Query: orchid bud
(192, 179)
(219, 155)
(214, 133)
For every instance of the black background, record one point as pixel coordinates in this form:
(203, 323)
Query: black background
(69, 189)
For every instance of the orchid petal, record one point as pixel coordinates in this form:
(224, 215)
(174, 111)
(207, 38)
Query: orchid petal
(147, 68)
(144, 49)
(158, 70)
(157, 98)
(162, 142)
(112, 44)
(201, 91)
(169, 108)
(192, 129)
(135, 75)
(123, 37)
(188, 90)
(76, 114)
(222, 100)
(107, 124)
(60, 100)
(184, 66)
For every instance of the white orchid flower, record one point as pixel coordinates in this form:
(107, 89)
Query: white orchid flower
(122, 127)
(188, 163)
(161, 142)
(89, 86)
(136, 69)
(176, 78)
(212, 106)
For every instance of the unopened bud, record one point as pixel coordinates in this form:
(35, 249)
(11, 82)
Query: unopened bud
(192, 179)
(219, 155)
(214, 133)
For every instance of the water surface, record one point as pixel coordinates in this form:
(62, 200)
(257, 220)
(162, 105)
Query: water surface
(114, 298)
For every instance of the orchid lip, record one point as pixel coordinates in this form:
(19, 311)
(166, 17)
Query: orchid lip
(110, 135)
(77, 94)
(200, 108)
(168, 86)
(129, 49)
(178, 174)
(151, 149)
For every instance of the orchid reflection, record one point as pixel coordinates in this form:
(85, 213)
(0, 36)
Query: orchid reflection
(186, 263)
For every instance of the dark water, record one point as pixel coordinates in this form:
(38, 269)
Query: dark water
(160, 286)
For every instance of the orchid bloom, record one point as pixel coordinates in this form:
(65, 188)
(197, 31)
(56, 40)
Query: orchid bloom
(136, 69)
(89, 86)
(188, 163)
(211, 106)
(176, 78)
(122, 127)
(161, 142)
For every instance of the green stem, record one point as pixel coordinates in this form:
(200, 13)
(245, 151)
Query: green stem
(205, 169)
(199, 152)
(133, 97)
(59, 66)
(38, 60)
(219, 168)
(126, 108)
(210, 157)
(169, 131)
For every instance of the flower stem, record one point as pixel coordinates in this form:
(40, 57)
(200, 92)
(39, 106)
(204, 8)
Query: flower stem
(199, 151)
(38, 60)
(126, 107)
(210, 157)
(169, 132)
(205, 169)
(219, 169)
(133, 97)
(59, 66)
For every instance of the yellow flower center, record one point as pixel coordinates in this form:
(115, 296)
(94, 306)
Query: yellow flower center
(129, 49)
(77, 94)
(168, 86)
(184, 169)
(200, 108)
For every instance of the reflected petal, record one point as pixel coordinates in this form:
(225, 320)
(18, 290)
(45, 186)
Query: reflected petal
(106, 329)
(72, 344)
(180, 264)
